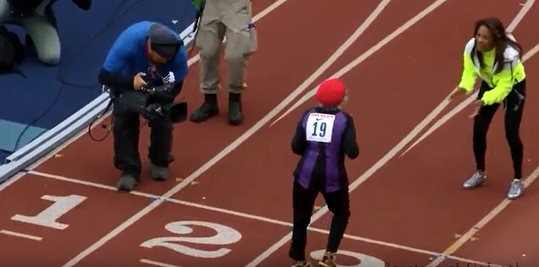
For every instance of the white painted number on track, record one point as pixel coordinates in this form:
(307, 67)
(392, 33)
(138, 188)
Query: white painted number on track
(50, 216)
(224, 235)
(364, 260)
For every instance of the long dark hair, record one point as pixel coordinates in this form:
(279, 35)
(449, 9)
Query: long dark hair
(500, 39)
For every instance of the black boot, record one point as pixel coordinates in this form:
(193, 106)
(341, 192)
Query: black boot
(207, 110)
(235, 117)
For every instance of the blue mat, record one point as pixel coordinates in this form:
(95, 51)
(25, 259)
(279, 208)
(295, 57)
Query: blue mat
(51, 94)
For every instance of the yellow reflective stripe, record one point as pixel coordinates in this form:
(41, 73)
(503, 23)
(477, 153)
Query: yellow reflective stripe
(505, 80)
(469, 75)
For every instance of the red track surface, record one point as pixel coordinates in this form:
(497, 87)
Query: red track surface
(410, 211)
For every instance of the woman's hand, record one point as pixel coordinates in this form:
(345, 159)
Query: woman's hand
(478, 104)
(458, 94)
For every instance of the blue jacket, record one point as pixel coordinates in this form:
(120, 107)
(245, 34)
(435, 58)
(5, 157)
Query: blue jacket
(128, 56)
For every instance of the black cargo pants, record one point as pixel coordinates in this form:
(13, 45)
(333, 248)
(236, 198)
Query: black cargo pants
(126, 131)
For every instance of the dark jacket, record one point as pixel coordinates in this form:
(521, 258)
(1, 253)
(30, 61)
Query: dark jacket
(321, 166)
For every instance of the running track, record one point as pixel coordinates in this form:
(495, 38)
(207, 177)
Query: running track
(232, 185)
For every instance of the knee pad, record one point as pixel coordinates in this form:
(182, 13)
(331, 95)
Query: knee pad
(51, 59)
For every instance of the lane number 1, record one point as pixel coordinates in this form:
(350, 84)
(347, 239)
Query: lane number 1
(49, 217)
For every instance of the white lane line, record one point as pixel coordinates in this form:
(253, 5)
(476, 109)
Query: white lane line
(21, 235)
(256, 18)
(462, 105)
(156, 263)
(83, 254)
(250, 217)
(380, 163)
(191, 61)
(482, 223)
(20, 175)
(363, 57)
(181, 185)
(337, 54)
(514, 23)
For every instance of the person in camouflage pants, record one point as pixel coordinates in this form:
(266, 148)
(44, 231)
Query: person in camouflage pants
(220, 19)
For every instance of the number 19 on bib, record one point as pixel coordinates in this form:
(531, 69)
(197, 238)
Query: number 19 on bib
(320, 127)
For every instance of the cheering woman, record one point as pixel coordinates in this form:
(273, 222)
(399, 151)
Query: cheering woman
(496, 58)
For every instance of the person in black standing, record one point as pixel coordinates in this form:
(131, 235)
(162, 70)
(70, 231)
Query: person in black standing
(324, 136)
(494, 56)
(143, 54)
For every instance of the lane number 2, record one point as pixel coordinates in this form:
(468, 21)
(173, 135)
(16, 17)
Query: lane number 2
(49, 217)
(320, 127)
(364, 260)
(224, 235)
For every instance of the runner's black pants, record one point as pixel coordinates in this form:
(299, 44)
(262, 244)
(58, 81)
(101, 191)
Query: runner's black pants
(513, 110)
(303, 204)
(126, 131)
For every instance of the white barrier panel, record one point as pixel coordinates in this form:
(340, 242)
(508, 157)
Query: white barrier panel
(53, 138)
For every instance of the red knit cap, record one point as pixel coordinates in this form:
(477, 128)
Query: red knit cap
(330, 92)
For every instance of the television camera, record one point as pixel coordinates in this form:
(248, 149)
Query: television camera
(148, 102)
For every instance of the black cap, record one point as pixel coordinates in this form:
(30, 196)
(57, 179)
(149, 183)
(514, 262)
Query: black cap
(164, 41)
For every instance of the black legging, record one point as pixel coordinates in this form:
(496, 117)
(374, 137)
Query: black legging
(303, 203)
(513, 109)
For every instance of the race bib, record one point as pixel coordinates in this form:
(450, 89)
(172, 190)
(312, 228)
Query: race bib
(320, 127)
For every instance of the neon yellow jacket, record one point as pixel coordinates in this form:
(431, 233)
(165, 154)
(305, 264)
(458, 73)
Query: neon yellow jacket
(502, 82)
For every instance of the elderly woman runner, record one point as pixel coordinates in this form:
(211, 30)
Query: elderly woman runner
(494, 56)
(323, 137)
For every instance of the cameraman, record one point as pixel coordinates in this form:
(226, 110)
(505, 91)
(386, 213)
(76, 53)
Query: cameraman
(143, 54)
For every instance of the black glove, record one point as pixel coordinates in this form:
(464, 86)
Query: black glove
(83, 4)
